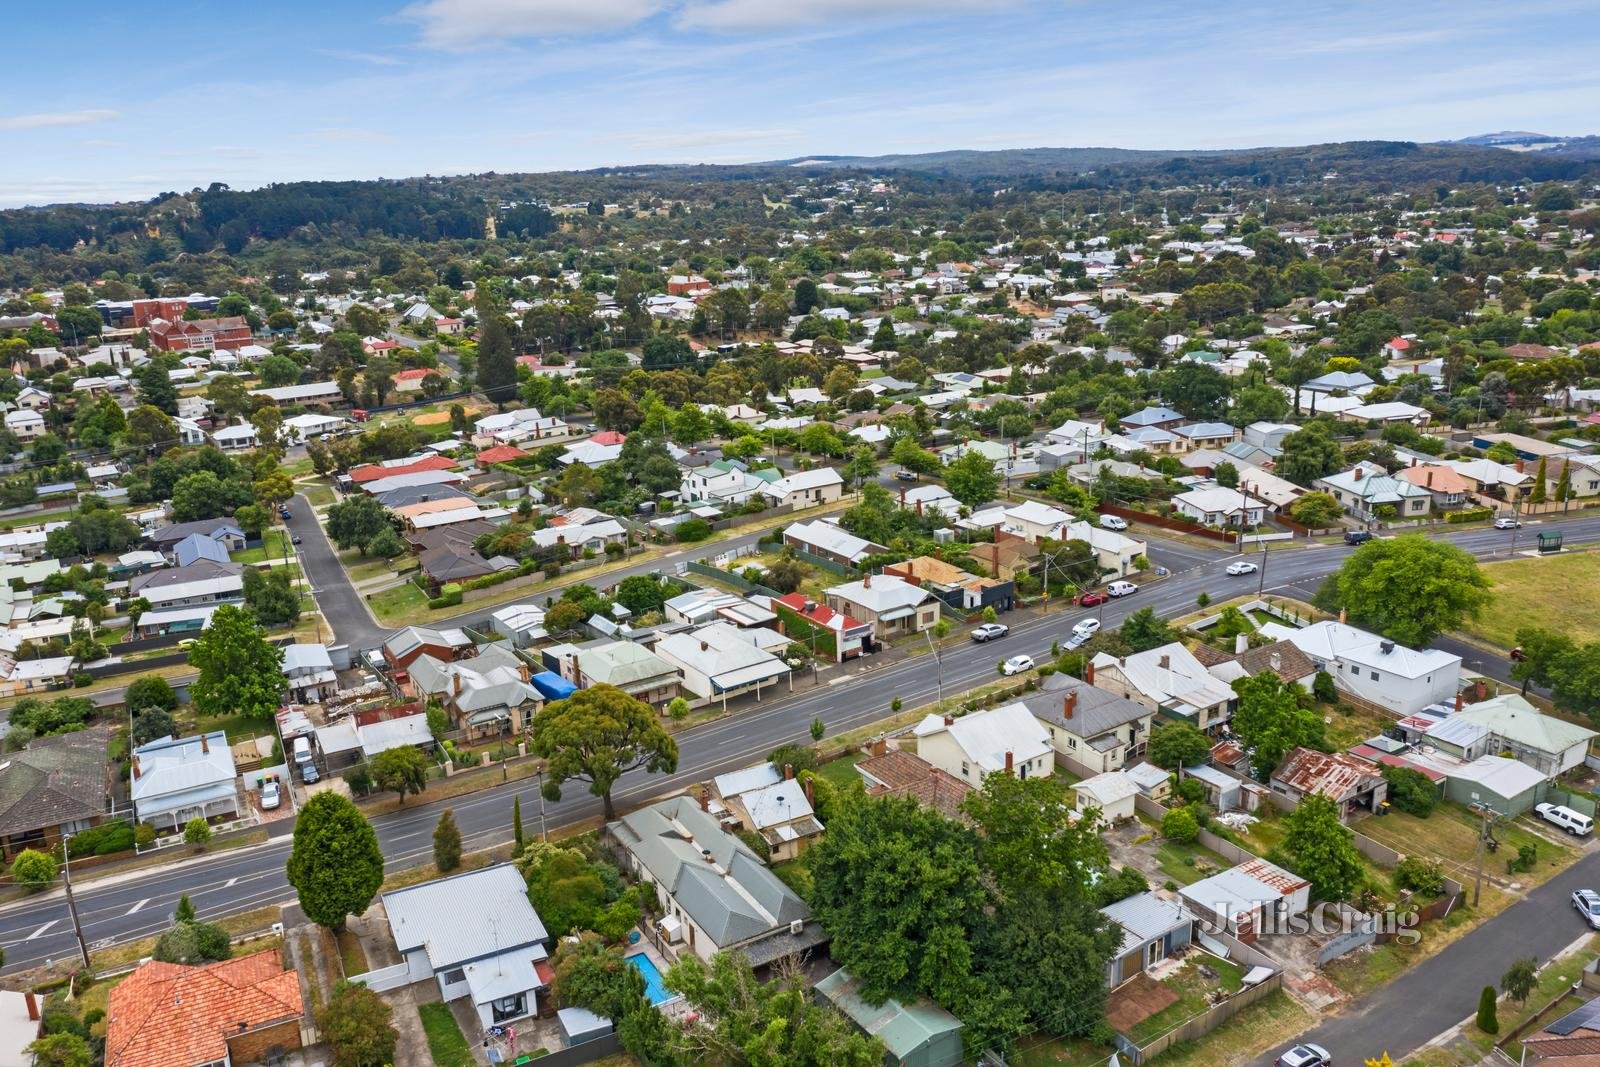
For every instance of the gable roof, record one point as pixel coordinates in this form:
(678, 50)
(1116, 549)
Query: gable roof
(986, 737)
(171, 1015)
(1094, 712)
(1513, 718)
(900, 773)
(1334, 775)
(54, 780)
(450, 918)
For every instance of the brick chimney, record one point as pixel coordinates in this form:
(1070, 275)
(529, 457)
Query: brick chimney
(705, 799)
(902, 498)
(880, 747)
(1521, 467)
(809, 799)
(1427, 479)
(948, 721)
(455, 683)
(205, 744)
(788, 772)
(1341, 616)
(866, 582)
(136, 769)
(1088, 672)
(705, 646)
(1165, 663)
(1008, 761)
(1459, 702)
(1069, 705)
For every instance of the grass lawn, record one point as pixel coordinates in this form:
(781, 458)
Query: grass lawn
(1450, 835)
(446, 1044)
(1059, 1052)
(1192, 988)
(360, 569)
(1343, 731)
(402, 601)
(1186, 864)
(1523, 589)
(1555, 984)
(351, 954)
(318, 496)
(1261, 1026)
(842, 771)
(274, 545)
(237, 727)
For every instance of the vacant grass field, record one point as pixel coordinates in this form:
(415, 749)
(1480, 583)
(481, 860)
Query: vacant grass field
(1262, 1025)
(1186, 864)
(1524, 590)
(446, 1044)
(1059, 1052)
(403, 601)
(1450, 837)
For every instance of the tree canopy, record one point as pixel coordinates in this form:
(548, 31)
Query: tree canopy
(240, 672)
(597, 735)
(336, 866)
(1442, 588)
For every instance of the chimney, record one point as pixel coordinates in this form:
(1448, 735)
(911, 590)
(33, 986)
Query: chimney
(522, 671)
(33, 1006)
(788, 772)
(705, 646)
(1165, 663)
(1521, 467)
(1341, 616)
(1241, 644)
(880, 747)
(948, 721)
(1088, 672)
(1275, 660)
(866, 582)
(1069, 705)
(136, 768)
(1459, 702)
(919, 509)
(809, 800)
(205, 745)
(705, 799)
(455, 684)
(1008, 761)
(902, 498)
(1428, 480)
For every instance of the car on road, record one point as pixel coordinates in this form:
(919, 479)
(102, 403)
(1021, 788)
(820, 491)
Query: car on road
(271, 794)
(295, 540)
(1242, 567)
(1507, 522)
(1587, 901)
(1113, 522)
(989, 631)
(1357, 537)
(1306, 1055)
(1016, 665)
(1121, 589)
(1089, 600)
(905, 476)
(1087, 627)
(1517, 655)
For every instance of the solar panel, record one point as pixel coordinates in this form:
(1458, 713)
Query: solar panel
(1584, 1017)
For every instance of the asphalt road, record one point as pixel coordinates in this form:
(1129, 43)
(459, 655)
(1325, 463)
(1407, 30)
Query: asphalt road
(1439, 992)
(123, 908)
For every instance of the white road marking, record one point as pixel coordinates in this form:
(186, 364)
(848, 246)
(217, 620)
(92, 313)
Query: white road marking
(137, 906)
(40, 932)
(230, 883)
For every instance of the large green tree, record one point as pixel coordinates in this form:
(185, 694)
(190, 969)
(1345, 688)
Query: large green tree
(1322, 848)
(971, 479)
(336, 865)
(597, 735)
(497, 358)
(1178, 744)
(1410, 589)
(356, 521)
(240, 672)
(402, 770)
(1308, 454)
(271, 596)
(1271, 720)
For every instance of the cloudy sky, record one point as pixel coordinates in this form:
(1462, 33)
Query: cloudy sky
(112, 104)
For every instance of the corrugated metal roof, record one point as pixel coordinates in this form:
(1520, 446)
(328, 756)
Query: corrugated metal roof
(465, 917)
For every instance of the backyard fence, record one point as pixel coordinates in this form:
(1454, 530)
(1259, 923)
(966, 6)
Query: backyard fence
(1178, 525)
(1199, 1025)
(739, 582)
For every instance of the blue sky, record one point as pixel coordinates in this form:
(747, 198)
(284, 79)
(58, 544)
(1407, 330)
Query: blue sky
(112, 104)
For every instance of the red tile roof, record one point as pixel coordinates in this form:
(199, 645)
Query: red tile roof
(608, 437)
(170, 1015)
(415, 374)
(1399, 344)
(373, 471)
(500, 454)
(818, 613)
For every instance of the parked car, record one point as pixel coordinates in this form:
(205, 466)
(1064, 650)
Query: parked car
(1087, 627)
(1357, 537)
(1121, 589)
(1089, 600)
(1587, 901)
(295, 540)
(1242, 567)
(989, 631)
(1517, 655)
(309, 773)
(1113, 522)
(1307, 1055)
(905, 476)
(1016, 665)
(1507, 522)
(1575, 823)
(271, 795)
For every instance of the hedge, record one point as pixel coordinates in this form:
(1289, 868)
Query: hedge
(801, 631)
(449, 597)
(1468, 515)
(102, 840)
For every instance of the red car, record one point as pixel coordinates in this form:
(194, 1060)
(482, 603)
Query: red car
(1517, 655)
(1089, 600)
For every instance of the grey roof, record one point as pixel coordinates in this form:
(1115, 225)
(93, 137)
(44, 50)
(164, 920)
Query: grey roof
(732, 896)
(199, 547)
(1096, 712)
(420, 494)
(1144, 917)
(465, 917)
(199, 571)
(214, 528)
(54, 780)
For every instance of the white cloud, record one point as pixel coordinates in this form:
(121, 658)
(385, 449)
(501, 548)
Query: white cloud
(46, 119)
(740, 15)
(666, 141)
(458, 24)
(377, 59)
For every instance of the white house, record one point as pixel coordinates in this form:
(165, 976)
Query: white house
(1006, 739)
(805, 489)
(1112, 792)
(1219, 506)
(1167, 679)
(720, 660)
(1379, 671)
(174, 780)
(309, 671)
(1115, 552)
(1032, 521)
(476, 935)
(521, 624)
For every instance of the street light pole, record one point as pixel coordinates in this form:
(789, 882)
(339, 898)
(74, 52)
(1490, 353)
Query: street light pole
(72, 903)
(1261, 586)
(938, 663)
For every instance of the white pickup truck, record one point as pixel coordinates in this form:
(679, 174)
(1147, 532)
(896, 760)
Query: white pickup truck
(1573, 822)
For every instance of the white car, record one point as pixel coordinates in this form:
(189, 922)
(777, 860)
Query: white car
(1507, 522)
(1087, 628)
(1306, 1055)
(1242, 567)
(1587, 901)
(1121, 589)
(1016, 665)
(1113, 522)
(989, 631)
(271, 795)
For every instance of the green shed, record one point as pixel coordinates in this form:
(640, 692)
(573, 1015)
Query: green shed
(920, 1034)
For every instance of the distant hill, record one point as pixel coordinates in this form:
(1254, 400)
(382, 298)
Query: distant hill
(998, 163)
(1584, 147)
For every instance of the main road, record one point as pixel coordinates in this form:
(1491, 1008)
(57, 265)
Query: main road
(120, 908)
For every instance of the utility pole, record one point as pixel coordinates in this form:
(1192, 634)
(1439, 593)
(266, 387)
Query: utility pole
(72, 903)
(937, 663)
(1489, 817)
(1261, 586)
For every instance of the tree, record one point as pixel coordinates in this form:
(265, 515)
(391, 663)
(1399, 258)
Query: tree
(33, 869)
(1540, 482)
(336, 865)
(446, 843)
(1178, 744)
(1411, 791)
(1316, 509)
(1144, 630)
(596, 736)
(805, 296)
(589, 974)
(971, 479)
(497, 361)
(156, 388)
(1322, 849)
(240, 673)
(740, 1020)
(1443, 588)
(912, 456)
(356, 521)
(641, 593)
(191, 942)
(1180, 825)
(1520, 979)
(151, 691)
(819, 729)
(277, 371)
(357, 1025)
(1226, 475)
(1271, 722)
(861, 466)
(271, 596)
(61, 1050)
(516, 822)
(184, 913)
(1199, 391)
(196, 832)
(678, 709)
(198, 496)
(690, 425)
(402, 770)
(1487, 1020)
(1308, 454)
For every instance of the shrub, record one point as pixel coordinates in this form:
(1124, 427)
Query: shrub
(1526, 857)
(82, 680)
(114, 836)
(1180, 825)
(1420, 876)
(1191, 790)
(1322, 688)
(1411, 791)
(33, 869)
(692, 530)
(151, 691)
(144, 835)
(1488, 1022)
(1468, 515)
(196, 832)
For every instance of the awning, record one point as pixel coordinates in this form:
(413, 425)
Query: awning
(482, 717)
(897, 614)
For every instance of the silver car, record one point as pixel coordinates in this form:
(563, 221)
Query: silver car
(1587, 901)
(1305, 1055)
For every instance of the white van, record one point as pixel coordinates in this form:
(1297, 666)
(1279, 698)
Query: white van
(1113, 522)
(1573, 822)
(1121, 589)
(302, 751)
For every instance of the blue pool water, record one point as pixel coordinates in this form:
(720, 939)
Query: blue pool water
(654, 987)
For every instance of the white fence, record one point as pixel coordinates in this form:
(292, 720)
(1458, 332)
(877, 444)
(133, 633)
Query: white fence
(384, 978)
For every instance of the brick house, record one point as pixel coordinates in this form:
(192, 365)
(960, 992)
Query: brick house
(244, 1010)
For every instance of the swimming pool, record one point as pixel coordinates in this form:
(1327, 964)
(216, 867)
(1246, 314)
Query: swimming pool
(654, 987)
